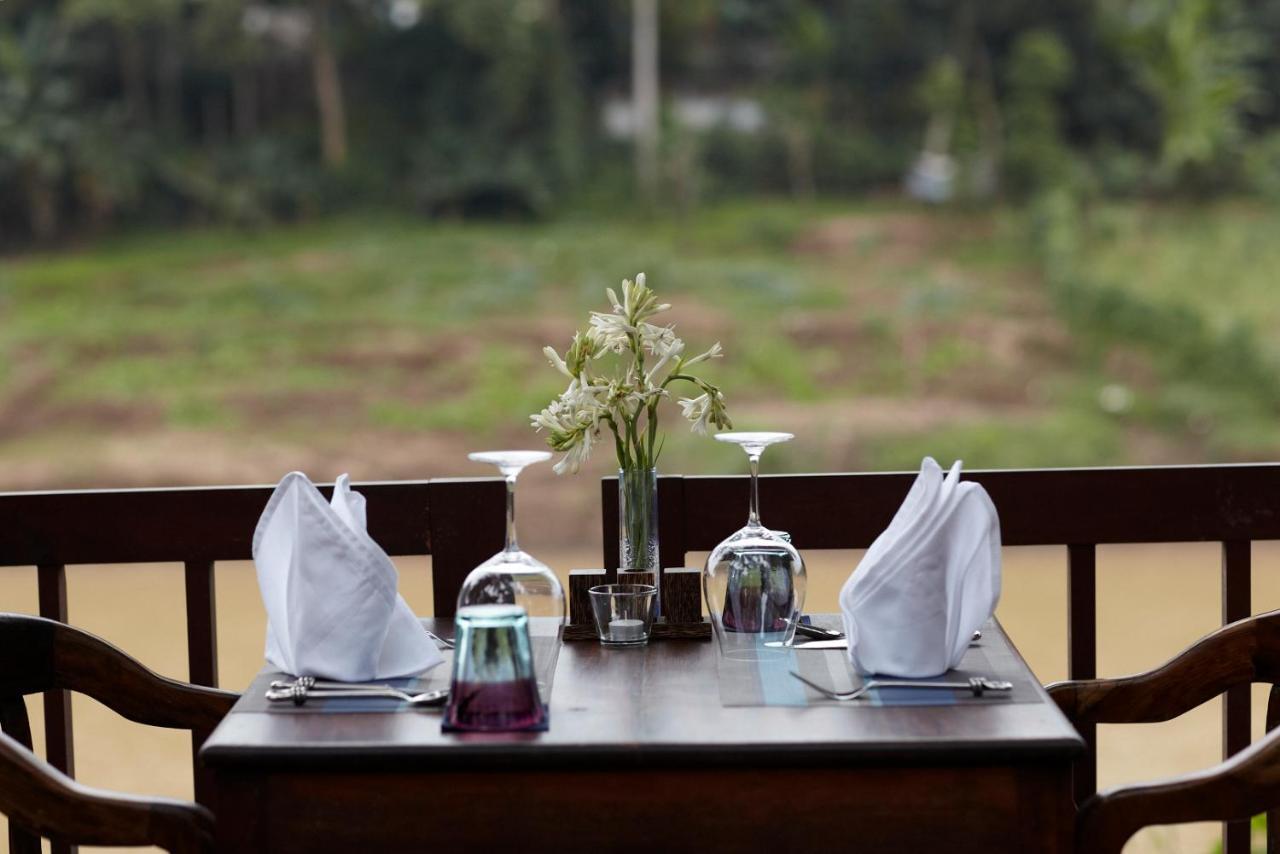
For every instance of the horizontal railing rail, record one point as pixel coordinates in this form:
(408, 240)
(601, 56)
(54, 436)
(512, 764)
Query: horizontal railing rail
(458, 521)
(1076, 508)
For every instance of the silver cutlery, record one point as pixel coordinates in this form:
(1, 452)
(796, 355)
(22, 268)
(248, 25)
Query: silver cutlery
(310, 682)
(445, 642)
(298, 694)
(978, 685)
(834, 643)
(839, 643)
(818, 632)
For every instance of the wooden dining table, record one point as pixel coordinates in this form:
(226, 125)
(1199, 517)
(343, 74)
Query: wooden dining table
(643, 754)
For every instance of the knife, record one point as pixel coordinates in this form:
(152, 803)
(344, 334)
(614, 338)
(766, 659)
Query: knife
(818, 632)
(841, 643)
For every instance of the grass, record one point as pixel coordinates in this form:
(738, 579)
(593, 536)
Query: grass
(878, 331)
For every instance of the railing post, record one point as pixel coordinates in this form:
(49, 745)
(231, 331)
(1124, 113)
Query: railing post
(1236, 605)
(1082, 652)
(465, 527)
(202, 655)
(58, 744)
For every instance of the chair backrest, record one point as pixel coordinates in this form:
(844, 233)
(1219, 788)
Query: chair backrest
(458, 521)
(37, 796)
(39, 655)
(1076, 508)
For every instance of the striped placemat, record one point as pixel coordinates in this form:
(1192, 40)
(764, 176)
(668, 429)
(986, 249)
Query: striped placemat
(767, 681)
(255, 699)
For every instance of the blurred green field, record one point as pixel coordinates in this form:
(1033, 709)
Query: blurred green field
(876, 331)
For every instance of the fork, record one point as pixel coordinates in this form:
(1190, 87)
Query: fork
(299, 694)
(978, 685)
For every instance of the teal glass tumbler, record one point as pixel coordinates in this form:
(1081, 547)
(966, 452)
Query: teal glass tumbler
(494, 686)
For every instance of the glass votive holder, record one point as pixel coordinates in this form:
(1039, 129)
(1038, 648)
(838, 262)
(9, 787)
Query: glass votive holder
(623, 613)
(494, 686)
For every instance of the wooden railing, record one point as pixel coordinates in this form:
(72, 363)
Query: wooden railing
(1076, 508)
(459, 522)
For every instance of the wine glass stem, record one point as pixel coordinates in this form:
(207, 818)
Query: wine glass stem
(753, 519)
(512, 545)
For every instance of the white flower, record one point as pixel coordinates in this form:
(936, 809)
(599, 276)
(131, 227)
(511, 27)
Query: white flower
(698, 411)
(626, 398)
(610, 332)
(556, 361)
(666, 351)
(577, 453)
(714, 353)
(657, 339)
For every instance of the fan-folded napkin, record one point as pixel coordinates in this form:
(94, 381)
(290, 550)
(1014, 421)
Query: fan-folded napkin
(330, 590)
(927, 582)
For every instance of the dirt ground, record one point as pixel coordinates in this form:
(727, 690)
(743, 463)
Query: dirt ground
(1153, 600)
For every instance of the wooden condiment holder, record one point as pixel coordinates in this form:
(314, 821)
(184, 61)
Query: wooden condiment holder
(681, 591)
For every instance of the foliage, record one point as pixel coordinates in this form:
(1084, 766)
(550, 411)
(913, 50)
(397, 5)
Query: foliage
(40, 126)
(1262, 166)
(1194, 57)
(1037, 156)
(179, 110)
(353, 328)
(1126, 289)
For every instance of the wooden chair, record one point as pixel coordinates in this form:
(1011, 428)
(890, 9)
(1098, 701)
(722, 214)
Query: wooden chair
(1076, 508)
(458, 521)
(38, 655)
(1245, 785)
(36, 795)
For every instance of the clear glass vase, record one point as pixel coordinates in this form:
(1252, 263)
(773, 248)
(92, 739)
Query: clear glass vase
(754, 580)
(638, 520)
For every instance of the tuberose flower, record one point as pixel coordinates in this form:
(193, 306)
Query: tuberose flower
(628, 401)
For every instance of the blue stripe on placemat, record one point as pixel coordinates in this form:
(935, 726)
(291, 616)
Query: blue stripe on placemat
(889, 696)
(777, 686)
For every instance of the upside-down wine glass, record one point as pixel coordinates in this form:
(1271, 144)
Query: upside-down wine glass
(514, 577)
(754, 581)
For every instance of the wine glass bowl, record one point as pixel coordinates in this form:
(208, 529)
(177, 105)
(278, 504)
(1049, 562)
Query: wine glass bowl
(513, 576)
(754, 580)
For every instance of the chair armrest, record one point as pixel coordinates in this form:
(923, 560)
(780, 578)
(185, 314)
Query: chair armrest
(39, 798)
(1238, 789)
(92, 666)
(1240, 653)
(40, 655)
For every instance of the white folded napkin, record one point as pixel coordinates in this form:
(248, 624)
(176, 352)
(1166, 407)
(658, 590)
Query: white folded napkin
(927, 582)
(330, 590)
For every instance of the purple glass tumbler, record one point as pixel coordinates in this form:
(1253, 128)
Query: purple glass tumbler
(494, 686)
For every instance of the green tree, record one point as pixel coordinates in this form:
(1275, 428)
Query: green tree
(326, 78)
(1039, 69)
(223, 46)
(134, 23)
(1193, 56)
(39, 118)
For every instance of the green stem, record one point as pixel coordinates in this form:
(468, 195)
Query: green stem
(652, 415)
(617, 442)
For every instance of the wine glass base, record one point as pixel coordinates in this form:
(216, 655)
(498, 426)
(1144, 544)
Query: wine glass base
(744, 646)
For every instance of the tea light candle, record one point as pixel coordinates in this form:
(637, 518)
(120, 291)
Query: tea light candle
(626, 630)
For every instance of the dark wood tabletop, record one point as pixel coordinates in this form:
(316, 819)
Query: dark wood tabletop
(641, 752)
(654, 706)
